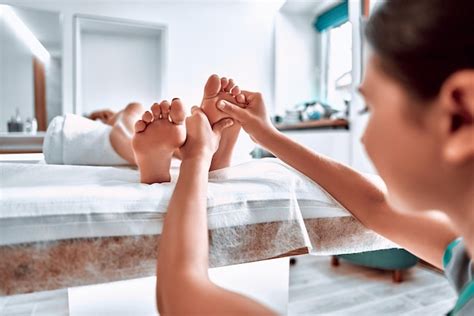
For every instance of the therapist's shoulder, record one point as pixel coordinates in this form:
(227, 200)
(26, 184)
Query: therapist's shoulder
(459, 270)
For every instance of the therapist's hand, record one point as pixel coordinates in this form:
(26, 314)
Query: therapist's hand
(252, 115)
(202, 139)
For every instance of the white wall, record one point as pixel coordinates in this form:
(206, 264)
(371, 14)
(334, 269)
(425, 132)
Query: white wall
(297, 55)
(3, 114)
(16, 77)
(229, 38)
(359, 159)
(117, 69)
(53, 88)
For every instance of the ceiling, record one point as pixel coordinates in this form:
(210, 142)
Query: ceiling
(308, 7)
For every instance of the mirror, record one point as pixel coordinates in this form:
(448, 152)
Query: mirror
(30, 68)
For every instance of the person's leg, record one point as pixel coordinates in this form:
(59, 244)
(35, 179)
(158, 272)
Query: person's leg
(217, 89)
(158, 134)
(223, 156)
(122, 131)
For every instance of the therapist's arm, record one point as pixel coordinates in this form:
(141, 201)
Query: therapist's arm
(426, 235)
(183, 286)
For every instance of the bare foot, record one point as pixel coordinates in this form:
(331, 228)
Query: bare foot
(157, 136)
(223, 156)
(217, 89)
(123, 123)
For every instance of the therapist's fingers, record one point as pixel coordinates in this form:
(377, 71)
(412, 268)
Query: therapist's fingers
(241, 99)
(194, 109)
(196, 112)
(252, 96)
(233, 110)
(195, 121)
(229, 86)
(224, 83)
(235, 91)
(219, 126)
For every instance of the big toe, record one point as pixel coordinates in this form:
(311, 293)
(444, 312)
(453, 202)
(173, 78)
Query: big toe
(213, 86)
(177, 113)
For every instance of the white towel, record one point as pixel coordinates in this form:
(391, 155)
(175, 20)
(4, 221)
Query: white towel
(41, 202)
(76, 140)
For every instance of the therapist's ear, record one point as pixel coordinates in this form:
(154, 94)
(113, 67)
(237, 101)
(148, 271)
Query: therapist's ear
(457, 100)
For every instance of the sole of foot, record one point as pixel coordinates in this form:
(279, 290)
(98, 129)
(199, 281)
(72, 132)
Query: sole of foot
(158, 134)
(219, 89)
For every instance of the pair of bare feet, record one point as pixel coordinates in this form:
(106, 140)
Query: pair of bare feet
(161, 131)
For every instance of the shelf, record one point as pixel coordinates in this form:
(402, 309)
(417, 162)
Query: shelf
(317, 124)
(16, 135)
(11, 143)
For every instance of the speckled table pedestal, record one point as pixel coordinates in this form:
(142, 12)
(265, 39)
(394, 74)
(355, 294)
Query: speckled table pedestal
(35, 267)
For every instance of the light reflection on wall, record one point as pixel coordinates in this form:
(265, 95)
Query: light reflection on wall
(24, 33)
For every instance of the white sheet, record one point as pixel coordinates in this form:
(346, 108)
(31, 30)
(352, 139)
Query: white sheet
(51, 202)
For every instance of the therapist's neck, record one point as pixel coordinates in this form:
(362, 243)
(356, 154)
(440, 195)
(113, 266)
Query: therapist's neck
(462, 217)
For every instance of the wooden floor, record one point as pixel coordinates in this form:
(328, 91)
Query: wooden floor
(318, 288)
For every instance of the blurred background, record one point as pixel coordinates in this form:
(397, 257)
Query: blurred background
(78, 56)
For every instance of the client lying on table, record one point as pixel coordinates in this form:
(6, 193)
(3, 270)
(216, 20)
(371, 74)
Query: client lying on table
(74, 139)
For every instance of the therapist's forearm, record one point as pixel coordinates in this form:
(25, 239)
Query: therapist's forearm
(425, 234)
(349, 187)
(184, 239)
(183, 286)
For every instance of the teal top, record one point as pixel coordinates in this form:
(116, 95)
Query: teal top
(459, 270)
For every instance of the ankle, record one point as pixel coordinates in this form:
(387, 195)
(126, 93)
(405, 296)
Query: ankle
(219, 164)
(155, 178)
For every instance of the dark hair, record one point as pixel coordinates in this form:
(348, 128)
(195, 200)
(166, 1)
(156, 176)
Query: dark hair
(422, 42)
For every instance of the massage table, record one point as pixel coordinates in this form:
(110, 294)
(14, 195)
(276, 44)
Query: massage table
(64, 226)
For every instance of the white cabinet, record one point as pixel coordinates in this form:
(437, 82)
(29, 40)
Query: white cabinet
(335, 144)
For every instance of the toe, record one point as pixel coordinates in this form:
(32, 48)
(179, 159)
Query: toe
(140, 126)
(156, 110)
(224, 83)
(147, 117)
(230, 85)
(240, 98)
(235, 91)
(213, 86)
(177, 113)
(165, 109)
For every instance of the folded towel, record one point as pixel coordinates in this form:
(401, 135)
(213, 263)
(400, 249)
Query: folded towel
(75, 140)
